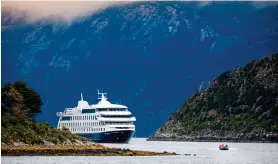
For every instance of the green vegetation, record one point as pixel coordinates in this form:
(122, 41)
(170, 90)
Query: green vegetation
(16, 129)
(243, 98)
(19, 105)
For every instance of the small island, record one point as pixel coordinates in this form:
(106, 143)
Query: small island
(238, 106)
(22, 135)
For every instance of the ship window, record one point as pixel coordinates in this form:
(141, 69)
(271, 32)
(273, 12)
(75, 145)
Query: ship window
(116, 116)
(88, 111)
(65, 118)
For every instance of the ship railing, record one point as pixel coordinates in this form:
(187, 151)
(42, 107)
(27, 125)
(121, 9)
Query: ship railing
(117, 119)
(115, 113)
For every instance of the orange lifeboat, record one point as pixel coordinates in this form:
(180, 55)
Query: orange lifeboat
(223, 147)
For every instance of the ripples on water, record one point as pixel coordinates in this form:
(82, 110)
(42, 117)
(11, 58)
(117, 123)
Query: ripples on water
(206, 153)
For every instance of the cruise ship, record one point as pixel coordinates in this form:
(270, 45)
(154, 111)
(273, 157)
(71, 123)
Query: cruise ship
(103, 122)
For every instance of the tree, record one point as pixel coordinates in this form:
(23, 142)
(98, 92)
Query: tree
(19, 99)
(12, 102)
(32, 99)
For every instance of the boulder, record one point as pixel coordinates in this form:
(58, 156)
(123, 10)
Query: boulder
(47, 143)
(20, 144)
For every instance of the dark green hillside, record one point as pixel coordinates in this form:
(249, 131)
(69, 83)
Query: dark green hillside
(239, 105)
(18, 127)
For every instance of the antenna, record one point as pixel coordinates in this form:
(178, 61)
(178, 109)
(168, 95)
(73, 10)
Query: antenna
(101, 94)
(81, 97)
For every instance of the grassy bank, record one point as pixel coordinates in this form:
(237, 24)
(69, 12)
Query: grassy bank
(93, 150)
(21, 130)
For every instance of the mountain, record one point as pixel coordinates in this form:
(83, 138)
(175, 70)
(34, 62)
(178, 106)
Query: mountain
(239, 105)
(141, 54)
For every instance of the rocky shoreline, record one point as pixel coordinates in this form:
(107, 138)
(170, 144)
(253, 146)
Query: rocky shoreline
(257, 135)
(210, 139)
(93, 150)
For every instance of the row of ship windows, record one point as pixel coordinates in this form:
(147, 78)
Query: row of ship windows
(117, 116)
(112, 109)
(82, 124)
(69, 118)
(88, 130)
(118, 123)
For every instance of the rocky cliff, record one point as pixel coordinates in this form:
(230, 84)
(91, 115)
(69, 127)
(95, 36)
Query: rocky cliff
(240, 105)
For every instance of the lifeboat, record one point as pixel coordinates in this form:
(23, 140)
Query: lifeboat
(223, 147)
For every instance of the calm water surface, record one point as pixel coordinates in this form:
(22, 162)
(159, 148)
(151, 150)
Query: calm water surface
(206, 153)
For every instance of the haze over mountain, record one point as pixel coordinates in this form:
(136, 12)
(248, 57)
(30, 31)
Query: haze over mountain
(150, 56)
